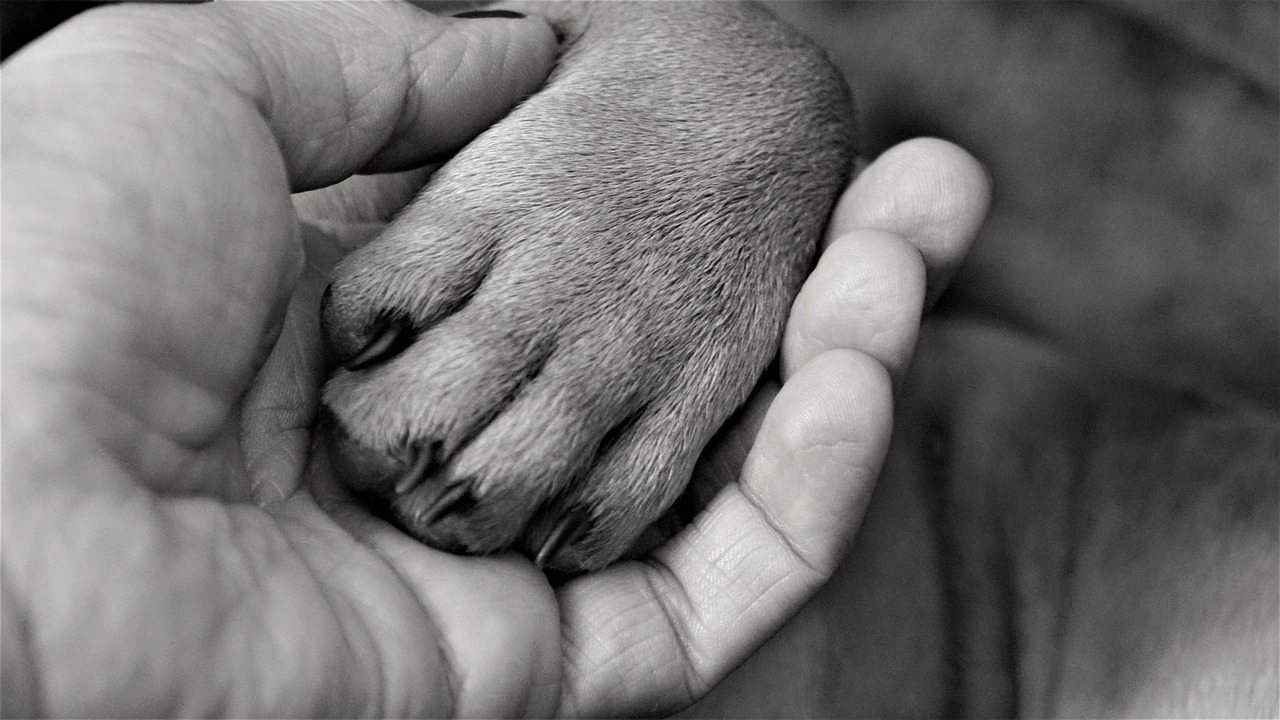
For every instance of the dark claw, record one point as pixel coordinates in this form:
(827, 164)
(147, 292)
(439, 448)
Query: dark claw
(509, 14)
(423, 456)
(455, 498)
(388, 337)
(571, 527)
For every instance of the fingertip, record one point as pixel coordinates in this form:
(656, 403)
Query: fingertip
(927, 190)
(866, 294)
(839, 396)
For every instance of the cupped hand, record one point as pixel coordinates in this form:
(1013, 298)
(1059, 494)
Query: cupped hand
(172, 545)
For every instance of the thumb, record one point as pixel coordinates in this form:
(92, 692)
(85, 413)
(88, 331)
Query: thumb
(156, 145)
(343, 87)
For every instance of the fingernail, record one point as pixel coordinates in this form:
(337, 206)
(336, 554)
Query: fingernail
(508, 14)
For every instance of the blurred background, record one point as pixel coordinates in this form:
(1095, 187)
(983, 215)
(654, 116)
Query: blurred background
(1133, 148)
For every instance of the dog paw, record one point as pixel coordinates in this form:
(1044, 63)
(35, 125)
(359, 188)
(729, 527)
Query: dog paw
(535, 351)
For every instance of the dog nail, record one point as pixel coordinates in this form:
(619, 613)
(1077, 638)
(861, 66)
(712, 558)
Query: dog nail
(388, 337)
(456, 498)
(325, 298)
(422, 459)
(570, 528)
(508, 14)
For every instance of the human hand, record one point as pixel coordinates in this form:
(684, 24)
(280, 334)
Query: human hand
(150, 252)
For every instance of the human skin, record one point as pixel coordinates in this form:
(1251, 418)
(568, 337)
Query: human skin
(171, 545)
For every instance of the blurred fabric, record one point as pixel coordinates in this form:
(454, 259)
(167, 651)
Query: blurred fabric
(1133, 147)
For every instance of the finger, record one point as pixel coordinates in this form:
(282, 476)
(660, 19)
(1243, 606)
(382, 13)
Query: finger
(928, 191)
(342, 86)
(895, 237)
(651, 637)
(865, 294)
(867, 290)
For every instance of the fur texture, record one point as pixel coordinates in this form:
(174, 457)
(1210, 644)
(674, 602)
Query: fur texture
(582, 295)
